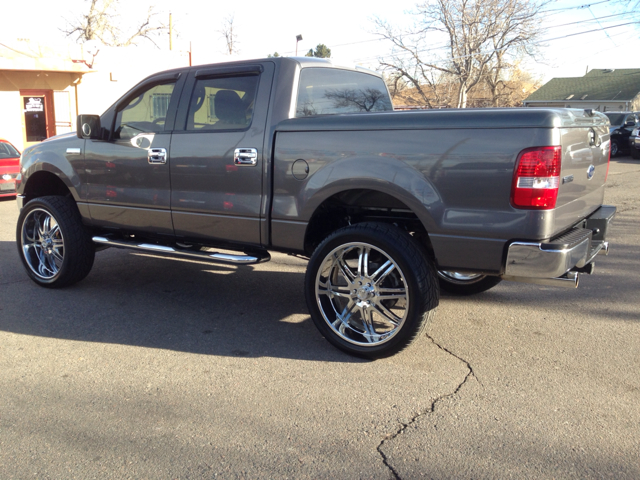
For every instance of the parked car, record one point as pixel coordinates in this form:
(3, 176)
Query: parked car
(634, 143)
(9, 168)
(622, 124)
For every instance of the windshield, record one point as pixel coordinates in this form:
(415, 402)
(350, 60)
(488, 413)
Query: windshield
(327, 91)
(615, 118)
(7, 151)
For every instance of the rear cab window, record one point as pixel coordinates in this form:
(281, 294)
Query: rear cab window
(331, 91)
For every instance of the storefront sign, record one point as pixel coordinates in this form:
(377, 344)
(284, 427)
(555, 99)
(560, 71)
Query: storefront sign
(34, 104)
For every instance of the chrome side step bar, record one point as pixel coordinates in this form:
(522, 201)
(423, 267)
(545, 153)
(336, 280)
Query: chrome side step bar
(195, 255)
(568, 280)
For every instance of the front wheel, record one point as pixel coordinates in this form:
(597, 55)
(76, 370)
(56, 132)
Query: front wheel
(466, 283)
(54, 246)
(371, 289)
(615, 149)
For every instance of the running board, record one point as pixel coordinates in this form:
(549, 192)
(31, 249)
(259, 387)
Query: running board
(195, 255)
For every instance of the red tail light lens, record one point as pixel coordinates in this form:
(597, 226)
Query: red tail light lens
(536, 178)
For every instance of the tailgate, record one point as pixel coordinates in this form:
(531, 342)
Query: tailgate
(584, 137)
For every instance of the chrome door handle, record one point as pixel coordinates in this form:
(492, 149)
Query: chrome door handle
(246, 157)
(157, 156)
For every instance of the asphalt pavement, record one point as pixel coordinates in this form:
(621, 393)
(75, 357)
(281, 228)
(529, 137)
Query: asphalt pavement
(159, 368)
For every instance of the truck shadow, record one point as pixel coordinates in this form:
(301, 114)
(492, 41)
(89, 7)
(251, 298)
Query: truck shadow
(134, 299)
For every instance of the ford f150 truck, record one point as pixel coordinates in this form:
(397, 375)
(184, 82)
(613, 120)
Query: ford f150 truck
(227, 162)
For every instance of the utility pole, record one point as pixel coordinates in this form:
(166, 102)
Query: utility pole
(170, 31)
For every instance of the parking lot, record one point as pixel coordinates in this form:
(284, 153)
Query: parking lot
(159, 368)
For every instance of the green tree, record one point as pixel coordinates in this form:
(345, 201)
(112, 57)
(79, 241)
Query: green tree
(322, 51)
(276, 54)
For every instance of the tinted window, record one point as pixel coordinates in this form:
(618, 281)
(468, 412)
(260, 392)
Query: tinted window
(615, 118)
(146, 113)
(326, 91)
(7, 151)
(222, 103)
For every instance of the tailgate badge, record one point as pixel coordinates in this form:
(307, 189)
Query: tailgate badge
(590, 171)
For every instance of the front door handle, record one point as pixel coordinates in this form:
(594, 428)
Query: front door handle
(247, 157)
(157, 156)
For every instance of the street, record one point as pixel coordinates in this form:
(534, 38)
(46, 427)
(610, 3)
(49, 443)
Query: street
(163, 368)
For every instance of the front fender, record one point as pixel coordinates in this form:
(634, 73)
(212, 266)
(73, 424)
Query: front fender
(57, 156)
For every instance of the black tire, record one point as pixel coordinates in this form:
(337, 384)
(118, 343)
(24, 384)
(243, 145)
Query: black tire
(54, 246)
(460, 284)
(349, 273)
(615, 148)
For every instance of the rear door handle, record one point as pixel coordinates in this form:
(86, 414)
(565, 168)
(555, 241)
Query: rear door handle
(157, 156)
(247, 157)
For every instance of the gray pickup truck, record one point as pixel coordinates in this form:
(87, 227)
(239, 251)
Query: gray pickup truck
(228, 162)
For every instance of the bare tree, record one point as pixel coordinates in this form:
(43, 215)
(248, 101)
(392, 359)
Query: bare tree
(103, 23)
(479, 38)
(367, 100)
(229, 35)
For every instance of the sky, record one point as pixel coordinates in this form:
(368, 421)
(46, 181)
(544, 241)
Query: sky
(580, 34)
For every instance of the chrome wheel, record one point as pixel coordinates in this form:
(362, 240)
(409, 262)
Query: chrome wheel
(362, 294)
(460, 278)
(54, 245)
(42, 244)
(459, 283)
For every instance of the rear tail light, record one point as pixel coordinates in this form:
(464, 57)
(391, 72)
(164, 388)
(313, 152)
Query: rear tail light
(536, 178)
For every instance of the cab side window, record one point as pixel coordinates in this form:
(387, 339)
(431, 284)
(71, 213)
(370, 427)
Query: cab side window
(146, 113)
(224, 103)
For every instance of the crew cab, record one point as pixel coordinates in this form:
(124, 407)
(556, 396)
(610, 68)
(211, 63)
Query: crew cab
(229, 162)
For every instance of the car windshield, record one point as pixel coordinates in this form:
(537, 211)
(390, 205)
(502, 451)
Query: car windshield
(7, 151)
(615, 118)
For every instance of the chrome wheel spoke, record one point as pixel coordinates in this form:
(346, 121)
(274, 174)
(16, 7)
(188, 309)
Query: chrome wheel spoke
(342, 319)
(392, 294)
(367, 322)
(344, 269)
(383, 271)
(387, 315)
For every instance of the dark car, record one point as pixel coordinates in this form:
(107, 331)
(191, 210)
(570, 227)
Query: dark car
(9, 168)
(622, 124)
(634, 143)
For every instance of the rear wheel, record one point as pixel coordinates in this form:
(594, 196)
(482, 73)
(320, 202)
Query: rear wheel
(466, 283)
(54, 246)
(370, 289)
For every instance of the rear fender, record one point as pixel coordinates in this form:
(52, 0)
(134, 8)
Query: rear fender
(386, 175)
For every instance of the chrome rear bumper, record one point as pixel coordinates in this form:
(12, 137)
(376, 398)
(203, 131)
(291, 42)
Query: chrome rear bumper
(549, 262)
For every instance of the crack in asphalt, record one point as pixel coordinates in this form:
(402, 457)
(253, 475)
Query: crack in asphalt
(431, 409)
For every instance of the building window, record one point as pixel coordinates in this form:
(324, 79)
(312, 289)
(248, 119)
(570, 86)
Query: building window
(161, 104)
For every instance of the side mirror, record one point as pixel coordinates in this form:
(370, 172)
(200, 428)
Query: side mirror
(88, 126)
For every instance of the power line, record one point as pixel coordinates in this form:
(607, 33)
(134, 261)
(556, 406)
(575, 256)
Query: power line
(480, 53)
